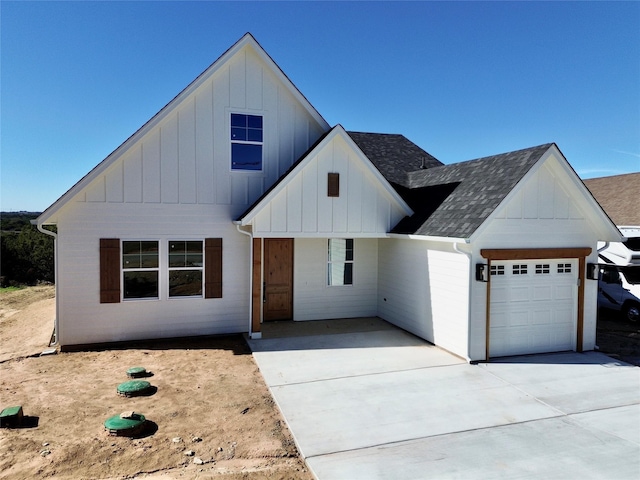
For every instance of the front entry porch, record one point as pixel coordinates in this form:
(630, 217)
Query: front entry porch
(288, 329)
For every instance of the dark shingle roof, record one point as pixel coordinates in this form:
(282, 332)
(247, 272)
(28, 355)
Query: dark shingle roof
(393, 155)
(447, 200)
(454, 200)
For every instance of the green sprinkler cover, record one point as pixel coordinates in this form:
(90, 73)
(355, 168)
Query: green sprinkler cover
(133, 387)
(134, 372)
(122, 425)
(11, 416)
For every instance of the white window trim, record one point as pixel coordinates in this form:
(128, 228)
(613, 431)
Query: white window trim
(123, 270)
(230, 142)
(169, 269)
(329, 262)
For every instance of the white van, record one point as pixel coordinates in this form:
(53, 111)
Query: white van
(619, 290)
(619, 280)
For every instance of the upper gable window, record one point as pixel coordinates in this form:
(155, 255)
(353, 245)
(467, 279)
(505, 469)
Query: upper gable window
(246, 142)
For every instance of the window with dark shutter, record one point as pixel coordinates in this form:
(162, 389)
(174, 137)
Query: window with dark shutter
(213, 268)
(109, 270)
(333, 185)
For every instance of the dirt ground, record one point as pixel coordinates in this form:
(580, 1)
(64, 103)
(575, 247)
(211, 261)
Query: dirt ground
(209, 401)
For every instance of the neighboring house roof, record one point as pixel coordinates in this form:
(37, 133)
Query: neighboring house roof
(618, 195)
(394, 155)
(454, 200)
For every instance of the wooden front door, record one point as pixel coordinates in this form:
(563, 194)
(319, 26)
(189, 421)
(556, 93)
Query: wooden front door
(278, 279)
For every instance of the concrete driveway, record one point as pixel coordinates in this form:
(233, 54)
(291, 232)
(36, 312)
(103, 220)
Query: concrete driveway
(365, 400)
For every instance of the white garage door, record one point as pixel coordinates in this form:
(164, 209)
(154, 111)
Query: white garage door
(533, 306)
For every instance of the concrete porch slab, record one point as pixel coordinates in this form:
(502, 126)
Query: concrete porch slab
(289, 360)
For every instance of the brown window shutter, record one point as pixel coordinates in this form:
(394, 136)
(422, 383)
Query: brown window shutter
(213, 268)
(109, 270)
(333, 185)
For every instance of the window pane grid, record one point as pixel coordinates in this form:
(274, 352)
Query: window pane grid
(246, 142)
(497, 269)
(140, 261)
(542, 269)
(520, 269)
(340, 261)
(564, 268)
(186, 260)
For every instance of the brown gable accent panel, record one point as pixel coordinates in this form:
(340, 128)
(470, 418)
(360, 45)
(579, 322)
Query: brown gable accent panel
(213, 268)
(109, 270)
(333, 184)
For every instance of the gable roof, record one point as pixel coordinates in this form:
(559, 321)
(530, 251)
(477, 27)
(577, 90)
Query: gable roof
(394, 155)
(454, 200)
(248, 215)
(247, 40)
(618, 195)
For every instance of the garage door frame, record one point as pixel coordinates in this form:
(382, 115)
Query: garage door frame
(579, 253)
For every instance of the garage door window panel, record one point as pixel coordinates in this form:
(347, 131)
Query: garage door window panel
(520, 269)
(542, 269)
(497, 270)
(564, 268)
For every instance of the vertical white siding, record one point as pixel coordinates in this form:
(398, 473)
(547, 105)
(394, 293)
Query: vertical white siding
(541, 212)
(186, 158)
(314, 300)
(303, 208)
(423, 288)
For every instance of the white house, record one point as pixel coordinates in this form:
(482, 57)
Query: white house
(238, 204)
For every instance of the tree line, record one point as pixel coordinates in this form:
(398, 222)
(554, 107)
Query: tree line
(26, 255)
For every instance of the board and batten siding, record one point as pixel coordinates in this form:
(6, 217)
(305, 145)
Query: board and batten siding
(86, 320)
(186, 157)
(172, 180)
(423, 288)
(546, 211)
(303, 207)
(315, 300)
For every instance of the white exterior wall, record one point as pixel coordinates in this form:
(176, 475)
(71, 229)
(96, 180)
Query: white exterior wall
(548, 211)
(303, 209)
(86, 320)
(175, 182)
(313, 299)
(423, 288)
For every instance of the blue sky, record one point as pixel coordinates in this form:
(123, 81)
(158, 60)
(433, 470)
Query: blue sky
(461, 79)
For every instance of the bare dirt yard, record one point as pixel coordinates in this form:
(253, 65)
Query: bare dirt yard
(210, 414)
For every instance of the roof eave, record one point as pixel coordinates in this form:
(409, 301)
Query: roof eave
(430, 238)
